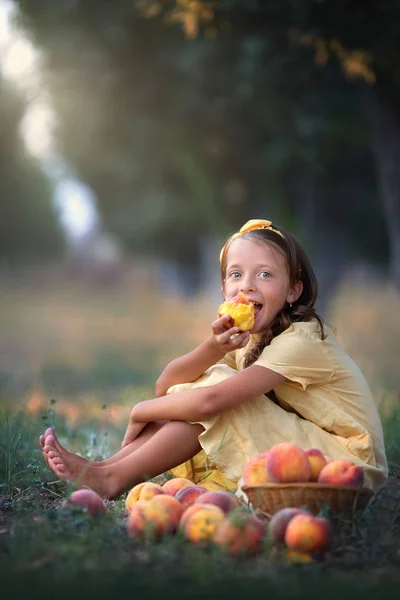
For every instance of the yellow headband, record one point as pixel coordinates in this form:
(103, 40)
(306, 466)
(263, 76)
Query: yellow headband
(251, 225)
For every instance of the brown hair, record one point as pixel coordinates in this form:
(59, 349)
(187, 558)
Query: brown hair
(299, 267)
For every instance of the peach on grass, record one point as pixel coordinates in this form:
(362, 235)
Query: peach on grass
(174, 508)
(133, 496)
(297, 557)
(149, 490)
(202, 524)
(342, 472)
(172, 486)
(240, 533)
(241, 311)
(278, 523)
(85, 498)
(317, 462)
(149, 520)
(287, 463)
(188, 495)
(308, 534)
(224, 500)
(255, 471)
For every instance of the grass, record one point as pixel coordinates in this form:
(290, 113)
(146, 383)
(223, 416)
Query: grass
(76, 357)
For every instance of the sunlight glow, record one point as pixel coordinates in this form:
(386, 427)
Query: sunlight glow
(36, 128)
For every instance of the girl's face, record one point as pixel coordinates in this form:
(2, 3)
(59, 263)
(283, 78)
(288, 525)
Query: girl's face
(259, 271)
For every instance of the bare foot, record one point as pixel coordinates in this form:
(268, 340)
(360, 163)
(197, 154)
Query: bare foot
(69, 467)
(60, 449)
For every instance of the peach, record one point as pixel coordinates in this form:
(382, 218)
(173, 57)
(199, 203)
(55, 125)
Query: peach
(85, 498)
(174, 508)
(240, 533)
(190, 511)
(241, 311)
(297, 557)
(188, 495)
(317, 462)
(133, 496)
(342, 472)
(287, 463)
(202, 524)
(148, 520)
(276, 527)
(172, 486)
(308, 534)
(255, 471)
(149, 490)
(224, 500)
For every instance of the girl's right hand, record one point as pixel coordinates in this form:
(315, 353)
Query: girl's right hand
(231, 338)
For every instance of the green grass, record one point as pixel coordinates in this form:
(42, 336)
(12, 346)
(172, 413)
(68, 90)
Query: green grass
(60, 552)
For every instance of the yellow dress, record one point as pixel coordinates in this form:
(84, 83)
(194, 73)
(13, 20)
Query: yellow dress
(324, 403)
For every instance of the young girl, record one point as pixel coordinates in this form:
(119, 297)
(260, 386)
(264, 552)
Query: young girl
(238, 394)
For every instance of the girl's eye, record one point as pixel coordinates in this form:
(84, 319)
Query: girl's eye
(235, 275)
(264, 275)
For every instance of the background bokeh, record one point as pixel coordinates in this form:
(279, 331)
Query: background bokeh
(136, 135)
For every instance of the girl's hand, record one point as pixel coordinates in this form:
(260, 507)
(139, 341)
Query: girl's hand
(132, 432)
(228, 339)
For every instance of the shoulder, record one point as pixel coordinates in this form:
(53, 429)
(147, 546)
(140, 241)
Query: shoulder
(302, 332)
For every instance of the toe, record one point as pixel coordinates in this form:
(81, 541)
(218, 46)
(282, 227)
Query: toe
(41, 440)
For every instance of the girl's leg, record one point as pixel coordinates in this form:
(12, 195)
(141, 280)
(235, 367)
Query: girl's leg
(144, 436)
(173, 444)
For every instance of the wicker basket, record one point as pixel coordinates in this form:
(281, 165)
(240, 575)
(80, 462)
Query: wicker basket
(271, 497)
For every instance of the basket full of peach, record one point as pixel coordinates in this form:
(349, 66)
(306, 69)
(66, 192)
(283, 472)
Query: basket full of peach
(288, 476)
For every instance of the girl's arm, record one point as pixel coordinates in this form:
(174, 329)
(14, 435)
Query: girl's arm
(190, 366)
(202, 403)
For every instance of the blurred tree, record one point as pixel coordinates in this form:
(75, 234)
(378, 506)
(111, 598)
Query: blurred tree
(29, 227)
(183, 137)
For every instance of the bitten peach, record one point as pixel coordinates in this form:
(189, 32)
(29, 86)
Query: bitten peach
(148, 520)
(240, 533)
(308, 534)
(342, 472)
(255, 471)
(172, 486)
(317, 462)
(85, 498)
(241, 311)
(276, 527)
(188, 495)
(224, 500)
(202, 524)
(174, 508)
(288, 463)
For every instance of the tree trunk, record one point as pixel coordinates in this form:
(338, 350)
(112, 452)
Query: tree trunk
(384, 119)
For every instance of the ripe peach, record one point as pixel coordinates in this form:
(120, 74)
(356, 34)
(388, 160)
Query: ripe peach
(149, 490)
(202, 524)
(309, 534)
(174, 508)
(342, 472)
(172, 486)
(241, 311)
(133, 496)
(85, 498)
(297, 557)
(148, 520)
(190, 511)
(276, 527)
(287, 463)
(317, 462)
(188, 495)
(240, 533)
(224, 500)
(255, 471)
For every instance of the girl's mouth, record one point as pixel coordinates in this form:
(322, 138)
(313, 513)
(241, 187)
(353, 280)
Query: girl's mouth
(257, 308)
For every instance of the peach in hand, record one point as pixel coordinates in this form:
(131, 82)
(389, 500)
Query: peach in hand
(317, 462)
(241, 311)
(172, 486)
(308, 534)
(224, 500)
(342, 472)
(287, 463)
(85, 498)
(255, 471)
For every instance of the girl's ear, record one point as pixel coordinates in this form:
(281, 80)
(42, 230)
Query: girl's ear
(295, 292)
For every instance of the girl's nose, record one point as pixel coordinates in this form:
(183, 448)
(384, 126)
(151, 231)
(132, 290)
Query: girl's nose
(247, 284)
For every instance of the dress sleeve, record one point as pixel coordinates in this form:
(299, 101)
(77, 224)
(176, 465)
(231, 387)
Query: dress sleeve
(298, 355)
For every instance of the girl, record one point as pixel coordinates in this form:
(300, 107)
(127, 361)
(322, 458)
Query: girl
(238, 394)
